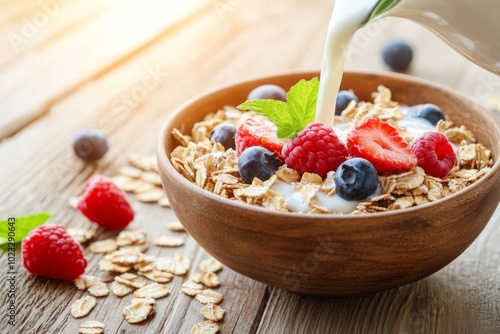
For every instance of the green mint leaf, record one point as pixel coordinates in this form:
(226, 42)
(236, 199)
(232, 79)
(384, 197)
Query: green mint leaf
(19, 227)
(295, 114)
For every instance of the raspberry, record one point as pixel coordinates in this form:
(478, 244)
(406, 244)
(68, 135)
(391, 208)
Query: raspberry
(316, 149)
(257, 131)
(49, 251)
(380, 143)
(435, 153)
(105, 204)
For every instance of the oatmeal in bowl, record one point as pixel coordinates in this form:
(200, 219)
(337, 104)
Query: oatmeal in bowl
(376, 211)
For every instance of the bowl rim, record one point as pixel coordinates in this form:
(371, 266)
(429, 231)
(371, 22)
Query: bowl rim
(165, 163)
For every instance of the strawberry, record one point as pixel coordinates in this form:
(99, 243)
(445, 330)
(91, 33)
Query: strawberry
(380, 143)
(258, 131)
(435, 153)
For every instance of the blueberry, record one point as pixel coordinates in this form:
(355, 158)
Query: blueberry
(266, 92)
(430, 112)
(224, 134)
(397, 55)
(90, 145)
(258, 162)
(344, 97)
(356, 179)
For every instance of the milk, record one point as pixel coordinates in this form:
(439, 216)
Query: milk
(347, 17)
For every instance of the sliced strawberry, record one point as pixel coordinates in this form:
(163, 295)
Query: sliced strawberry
(380, 143)
(258, 131)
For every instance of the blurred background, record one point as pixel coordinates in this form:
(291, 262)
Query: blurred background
(121, 66)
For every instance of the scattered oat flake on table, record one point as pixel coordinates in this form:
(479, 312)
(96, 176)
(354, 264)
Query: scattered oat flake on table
(99, 289)
(153, 290)
(81, 307)
(205, 327)
(126, 257)
(86, 281)
(131, 237)
(151, 177)
(91, 327)
(150, 196)
(130, 280)
(73, 202)
(158, 276)
(147, 163)
(210, 265)
(191, 288)
(196, 277)
(210, 279)
(121, 290)
(122, 181)
(209, 296)
(212, 312)
(129, 171)
(81, 235)
(138, 311)
(169, 241)
(175, 226)
(107, 265)
(164, 202)
(103, 246)
(179, 265)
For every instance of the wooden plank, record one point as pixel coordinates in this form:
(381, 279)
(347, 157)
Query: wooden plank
(41, 173)
(461, 298)
(32, 24)
(109, 38)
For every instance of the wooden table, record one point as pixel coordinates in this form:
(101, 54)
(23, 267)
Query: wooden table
(123, 67)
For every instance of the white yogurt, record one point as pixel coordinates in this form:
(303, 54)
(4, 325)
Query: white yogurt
(296, 203)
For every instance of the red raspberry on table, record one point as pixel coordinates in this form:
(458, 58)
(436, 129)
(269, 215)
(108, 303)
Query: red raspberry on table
(257, 131)
(315, 149)
(435, 153)
(49, 251)
(380, 143)
(105, 204)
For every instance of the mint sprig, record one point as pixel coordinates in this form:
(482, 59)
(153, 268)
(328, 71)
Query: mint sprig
(292, 116)
(19, 227)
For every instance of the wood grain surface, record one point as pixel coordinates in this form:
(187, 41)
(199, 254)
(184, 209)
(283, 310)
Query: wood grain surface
(122, 67)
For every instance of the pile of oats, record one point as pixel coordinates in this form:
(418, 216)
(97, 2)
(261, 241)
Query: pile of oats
(129, 270)
(211, 167)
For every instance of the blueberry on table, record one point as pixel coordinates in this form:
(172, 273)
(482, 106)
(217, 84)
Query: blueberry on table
(266, 92)
(257, 162)
(224, 134)
(430, 112)
(90, 145)
(356, 179)
(397, 55)
(344, 97)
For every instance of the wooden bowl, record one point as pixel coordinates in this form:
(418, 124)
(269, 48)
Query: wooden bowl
(335, 255)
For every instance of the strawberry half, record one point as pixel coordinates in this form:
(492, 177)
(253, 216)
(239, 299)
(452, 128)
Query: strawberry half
(258, 131)
(380, 143)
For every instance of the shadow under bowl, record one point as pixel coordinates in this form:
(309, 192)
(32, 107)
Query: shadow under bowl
(335, 255)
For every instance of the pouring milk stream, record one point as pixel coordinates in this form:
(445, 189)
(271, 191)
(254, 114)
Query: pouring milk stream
(471, 27)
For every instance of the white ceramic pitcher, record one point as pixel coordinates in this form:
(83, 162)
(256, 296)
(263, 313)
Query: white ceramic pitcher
(472, 27)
